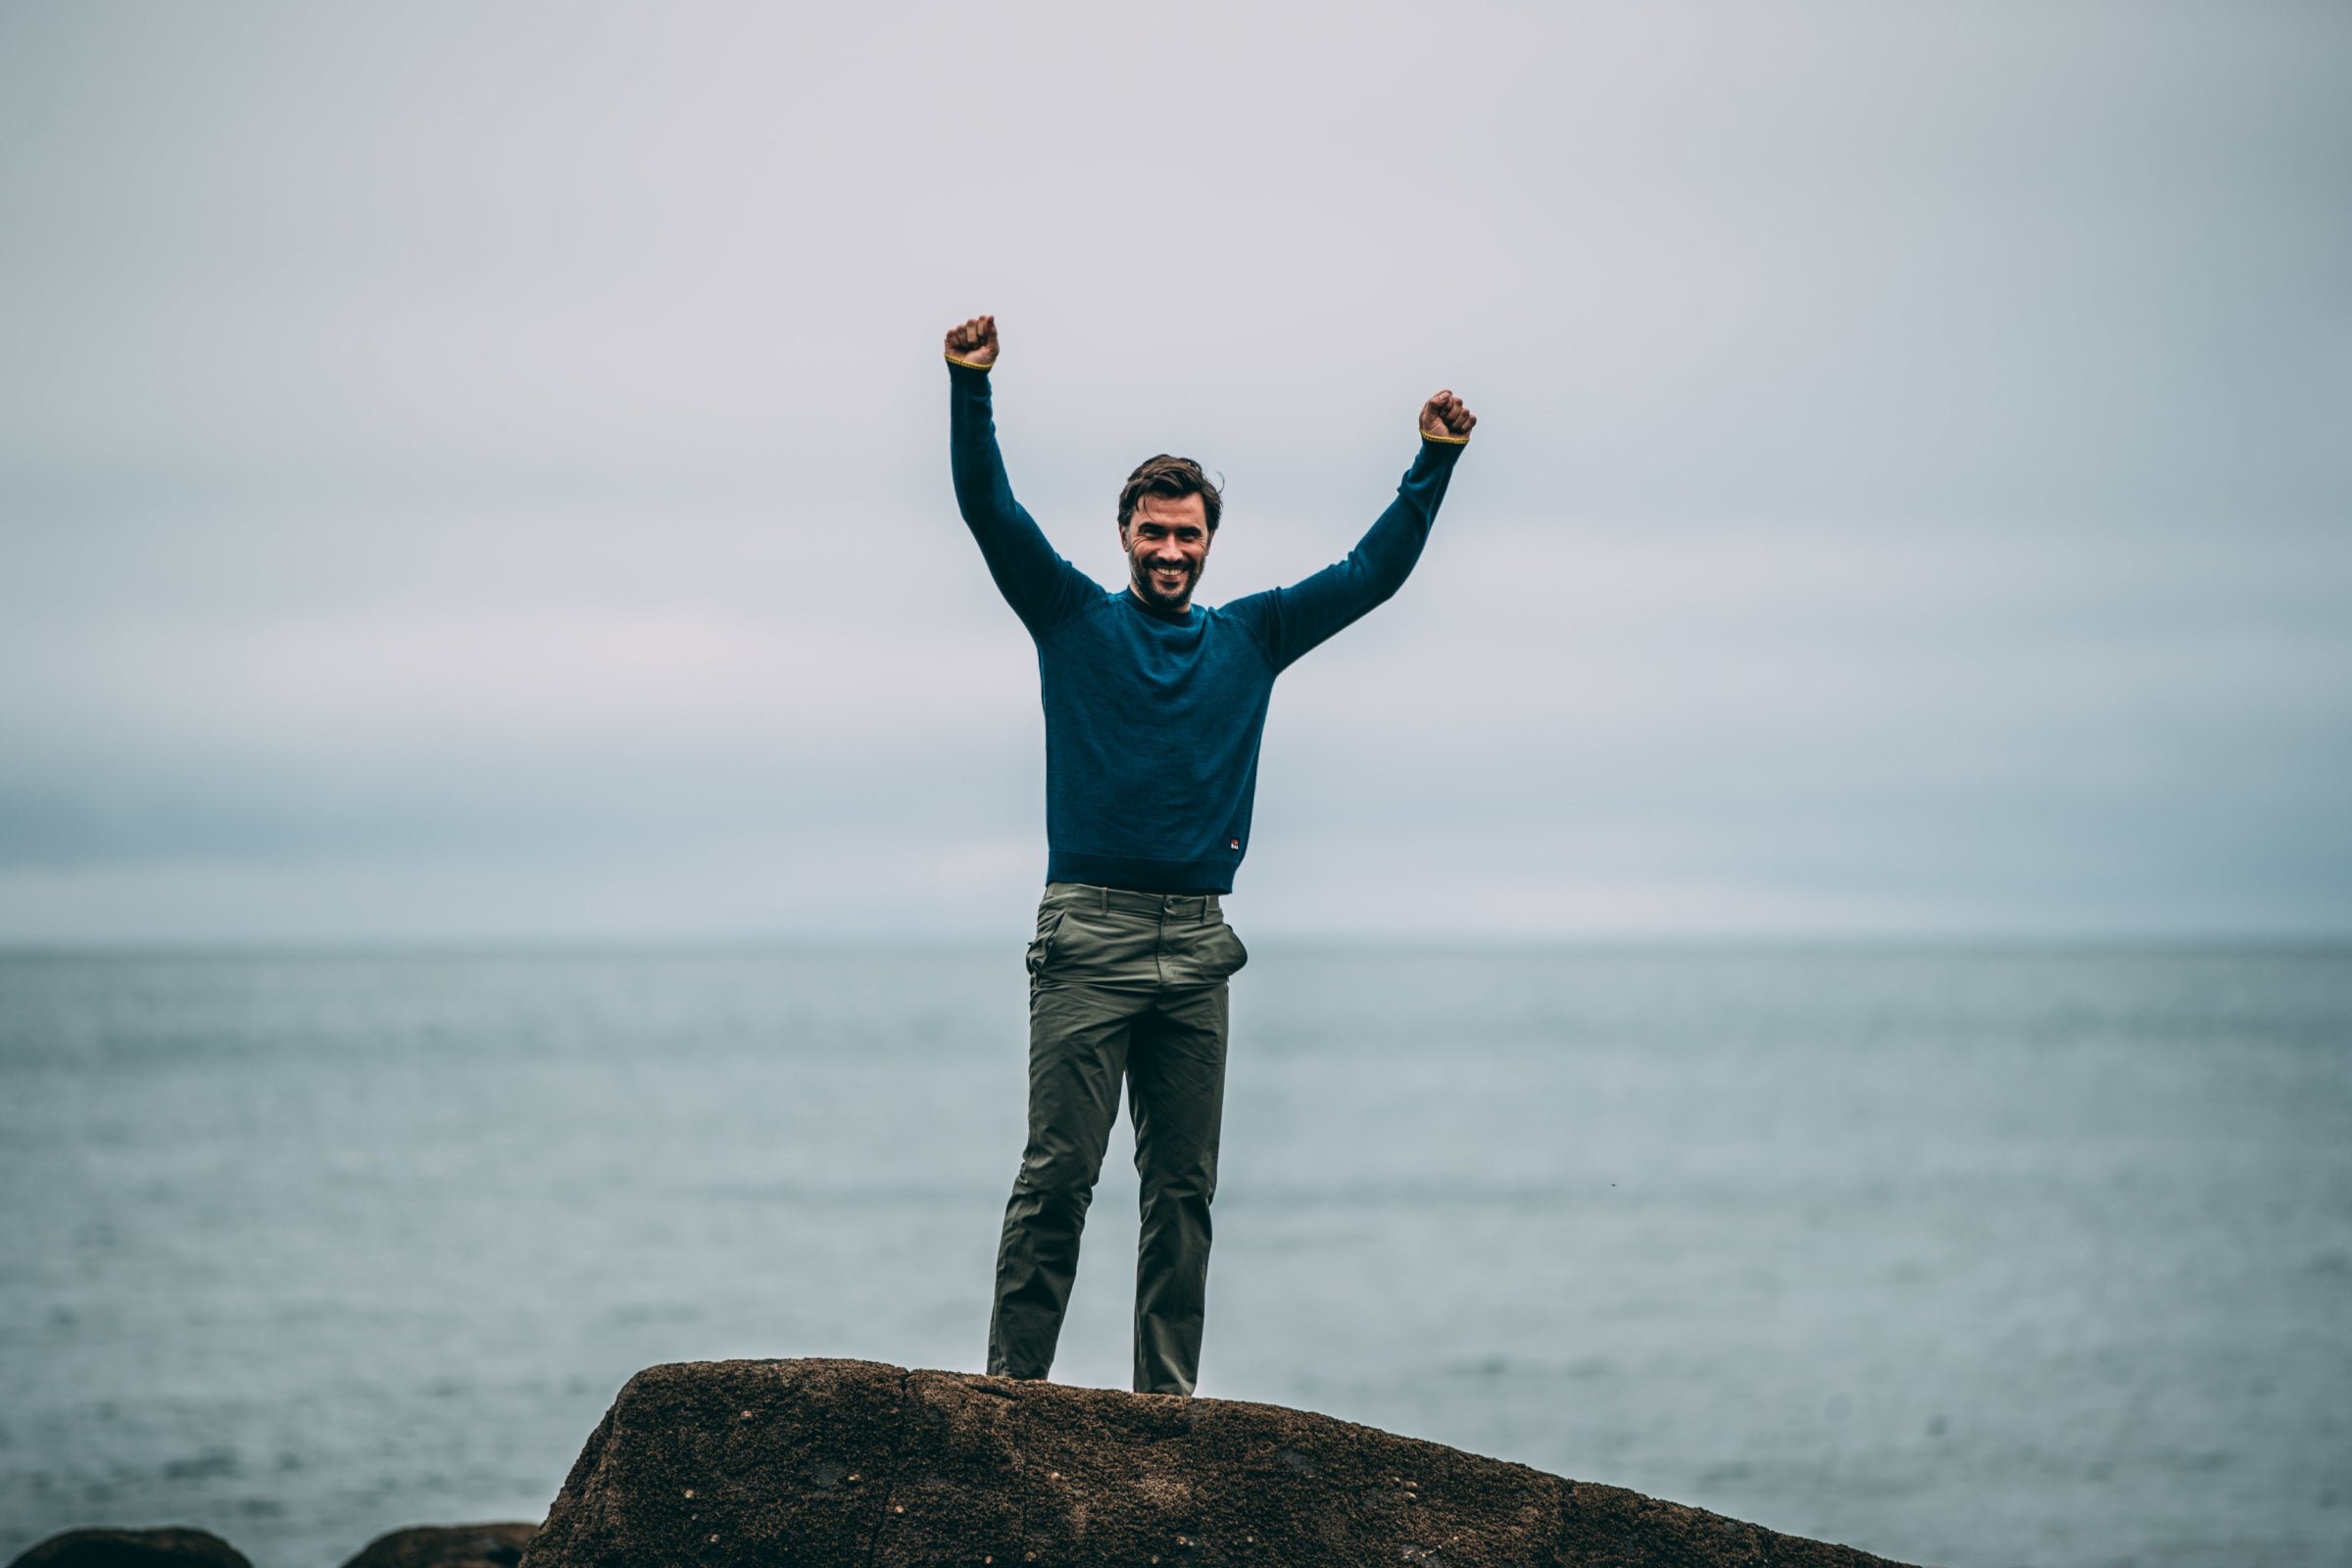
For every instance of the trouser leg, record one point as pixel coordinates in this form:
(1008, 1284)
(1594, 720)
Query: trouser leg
(1176, 1096)
(1078, 1047)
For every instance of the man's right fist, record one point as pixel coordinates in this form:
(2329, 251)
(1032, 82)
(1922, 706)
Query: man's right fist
(974, 342)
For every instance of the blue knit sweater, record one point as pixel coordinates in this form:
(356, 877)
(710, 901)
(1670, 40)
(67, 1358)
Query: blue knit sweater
(1152, 721)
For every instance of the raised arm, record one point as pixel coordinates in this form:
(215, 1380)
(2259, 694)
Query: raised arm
(1290, 621)
(1041, 588)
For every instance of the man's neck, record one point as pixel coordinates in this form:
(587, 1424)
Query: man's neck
(1163, 611)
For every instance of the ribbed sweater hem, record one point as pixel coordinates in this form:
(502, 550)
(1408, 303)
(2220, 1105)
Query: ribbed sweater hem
(1141, 875)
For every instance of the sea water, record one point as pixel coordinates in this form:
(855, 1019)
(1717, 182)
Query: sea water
(1963, 1257)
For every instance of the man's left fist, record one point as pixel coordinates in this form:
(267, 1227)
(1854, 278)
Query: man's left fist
(1447, 418)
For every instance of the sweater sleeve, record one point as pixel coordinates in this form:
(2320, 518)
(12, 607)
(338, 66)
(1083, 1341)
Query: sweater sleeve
(1041, 588)
(1290, 621)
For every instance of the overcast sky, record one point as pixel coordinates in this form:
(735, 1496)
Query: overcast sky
(482, 471)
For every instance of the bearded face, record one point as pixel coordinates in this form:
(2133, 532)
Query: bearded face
(1167, 543)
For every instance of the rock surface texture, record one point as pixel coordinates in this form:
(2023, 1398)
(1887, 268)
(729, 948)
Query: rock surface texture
(727, 1464)
(499, 1545)
(133, 1548)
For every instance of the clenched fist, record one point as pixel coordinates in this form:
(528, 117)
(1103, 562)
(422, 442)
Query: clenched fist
(1444, 415)
(974, 342)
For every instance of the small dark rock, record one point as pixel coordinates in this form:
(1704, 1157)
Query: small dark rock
(133, 1548)
(499, 1545)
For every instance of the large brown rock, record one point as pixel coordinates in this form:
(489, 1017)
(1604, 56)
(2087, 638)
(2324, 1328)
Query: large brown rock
(729, 1464)
(499, 1545)
(132, 1548)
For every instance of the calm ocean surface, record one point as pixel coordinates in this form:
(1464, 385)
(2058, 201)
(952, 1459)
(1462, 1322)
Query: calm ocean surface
(1965, 1258)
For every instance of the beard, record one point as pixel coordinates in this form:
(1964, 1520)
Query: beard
(1140, 572)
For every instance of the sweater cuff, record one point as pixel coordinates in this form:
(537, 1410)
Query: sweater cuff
(967, 365)
(1444, 440)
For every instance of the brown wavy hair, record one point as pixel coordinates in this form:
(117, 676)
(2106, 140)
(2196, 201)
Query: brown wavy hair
(1173, 478)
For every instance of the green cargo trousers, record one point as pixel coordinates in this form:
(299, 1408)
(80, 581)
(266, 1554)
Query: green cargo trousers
(1120, 985)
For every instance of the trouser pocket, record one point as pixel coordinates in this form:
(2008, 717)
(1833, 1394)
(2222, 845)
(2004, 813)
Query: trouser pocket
(1041, 950)
(1202, 955)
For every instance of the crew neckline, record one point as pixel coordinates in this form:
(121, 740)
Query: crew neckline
(1170, 618)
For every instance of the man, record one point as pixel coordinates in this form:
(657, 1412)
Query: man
(1153, 709)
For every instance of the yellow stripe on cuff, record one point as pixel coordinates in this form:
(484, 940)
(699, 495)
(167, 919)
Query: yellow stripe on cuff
(1449, 440)
(969, 365)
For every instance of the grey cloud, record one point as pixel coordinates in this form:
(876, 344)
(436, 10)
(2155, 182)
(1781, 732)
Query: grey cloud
(495, 458)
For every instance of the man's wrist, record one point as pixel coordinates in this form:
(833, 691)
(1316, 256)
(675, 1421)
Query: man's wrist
(972, 365)
(1446, 440)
